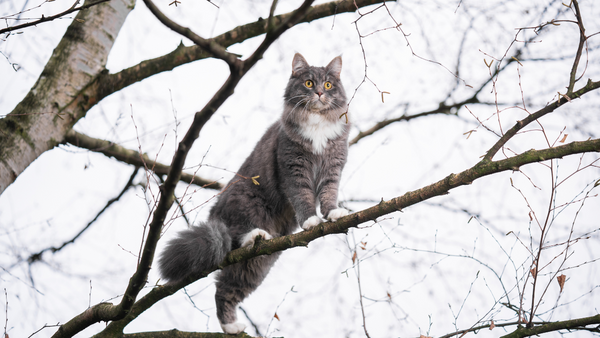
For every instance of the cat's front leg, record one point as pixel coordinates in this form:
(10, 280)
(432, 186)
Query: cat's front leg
(336, 214)
(311, 222)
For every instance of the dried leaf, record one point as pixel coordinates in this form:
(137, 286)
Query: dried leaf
(254, 180)
(492, 325)
(561, 281)
(363, 245)
(354, 257)
(423, 336)
(276, 316)
(519, 62)
(564, 138)
(468, 133)
(382, 96)
(345, 114)
(533, 272)
(522, 319)
(565, 96)
(486, 63)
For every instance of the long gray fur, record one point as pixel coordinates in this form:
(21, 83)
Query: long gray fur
(299, 161)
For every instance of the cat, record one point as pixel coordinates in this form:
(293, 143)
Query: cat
(298, 162)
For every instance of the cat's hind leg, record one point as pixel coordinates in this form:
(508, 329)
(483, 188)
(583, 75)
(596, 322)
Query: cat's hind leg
(248, 239)
(236, 282)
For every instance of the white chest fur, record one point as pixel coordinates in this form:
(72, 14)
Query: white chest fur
(319, 130)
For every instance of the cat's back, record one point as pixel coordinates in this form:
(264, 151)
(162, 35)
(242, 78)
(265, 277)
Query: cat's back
(256, 186)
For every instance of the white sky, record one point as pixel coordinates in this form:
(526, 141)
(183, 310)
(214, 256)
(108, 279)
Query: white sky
(439, 266)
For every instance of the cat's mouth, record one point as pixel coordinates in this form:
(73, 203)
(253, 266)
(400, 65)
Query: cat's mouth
(318, 104)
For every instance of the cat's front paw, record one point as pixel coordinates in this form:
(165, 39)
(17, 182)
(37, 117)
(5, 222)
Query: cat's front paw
(248, 239)
(311, 222)
(233, 328)
(335, 214)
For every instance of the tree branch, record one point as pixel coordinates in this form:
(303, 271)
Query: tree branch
(52, 17)
(38, 256)
(442, 187)
(532, 117)
(182, 334)
(582, 42)
(111, 83)
(133, 157)
(213, 48)
(443, 109)
(572, 324)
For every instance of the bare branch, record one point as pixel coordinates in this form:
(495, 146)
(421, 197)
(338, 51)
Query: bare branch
(442, 109)
(52, 17)
(133, 157)
(210, 46)
(111, 83)
(38, 256)
(582, 42)
(572, 324)
(442, 187)
(533, 117)
(181, 334)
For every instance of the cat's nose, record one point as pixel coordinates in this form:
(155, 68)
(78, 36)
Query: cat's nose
(319, 93)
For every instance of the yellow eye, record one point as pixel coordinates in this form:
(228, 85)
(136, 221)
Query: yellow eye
(308, 84)
(328, 85)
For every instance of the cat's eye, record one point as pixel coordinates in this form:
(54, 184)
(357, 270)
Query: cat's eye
(308, 84)
(328, 85)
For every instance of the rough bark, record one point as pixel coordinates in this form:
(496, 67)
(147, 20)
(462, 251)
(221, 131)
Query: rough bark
(53, 105)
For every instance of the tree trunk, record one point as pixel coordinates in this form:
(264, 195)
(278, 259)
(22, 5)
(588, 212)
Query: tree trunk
(64, 91)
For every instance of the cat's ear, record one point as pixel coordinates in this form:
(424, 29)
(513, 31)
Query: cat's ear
(335, 67)
(298, 64)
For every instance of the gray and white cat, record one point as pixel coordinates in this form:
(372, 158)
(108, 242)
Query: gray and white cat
(299, 160)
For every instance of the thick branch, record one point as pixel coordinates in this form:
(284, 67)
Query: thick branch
(442, 187)
(532, 117)
(111, 83)
(572, 324)
(213, 48)
(97, 313)
(182, 334)
(133, 157)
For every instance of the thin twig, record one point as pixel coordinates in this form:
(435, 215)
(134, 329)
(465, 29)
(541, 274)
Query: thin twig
(52, 17)
(38, 256)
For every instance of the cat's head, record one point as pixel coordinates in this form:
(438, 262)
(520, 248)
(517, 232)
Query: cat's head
(315, 89)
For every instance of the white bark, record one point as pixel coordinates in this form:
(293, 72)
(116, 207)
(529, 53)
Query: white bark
(64, 90)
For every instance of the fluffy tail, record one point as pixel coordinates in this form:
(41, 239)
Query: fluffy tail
(195, 250)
